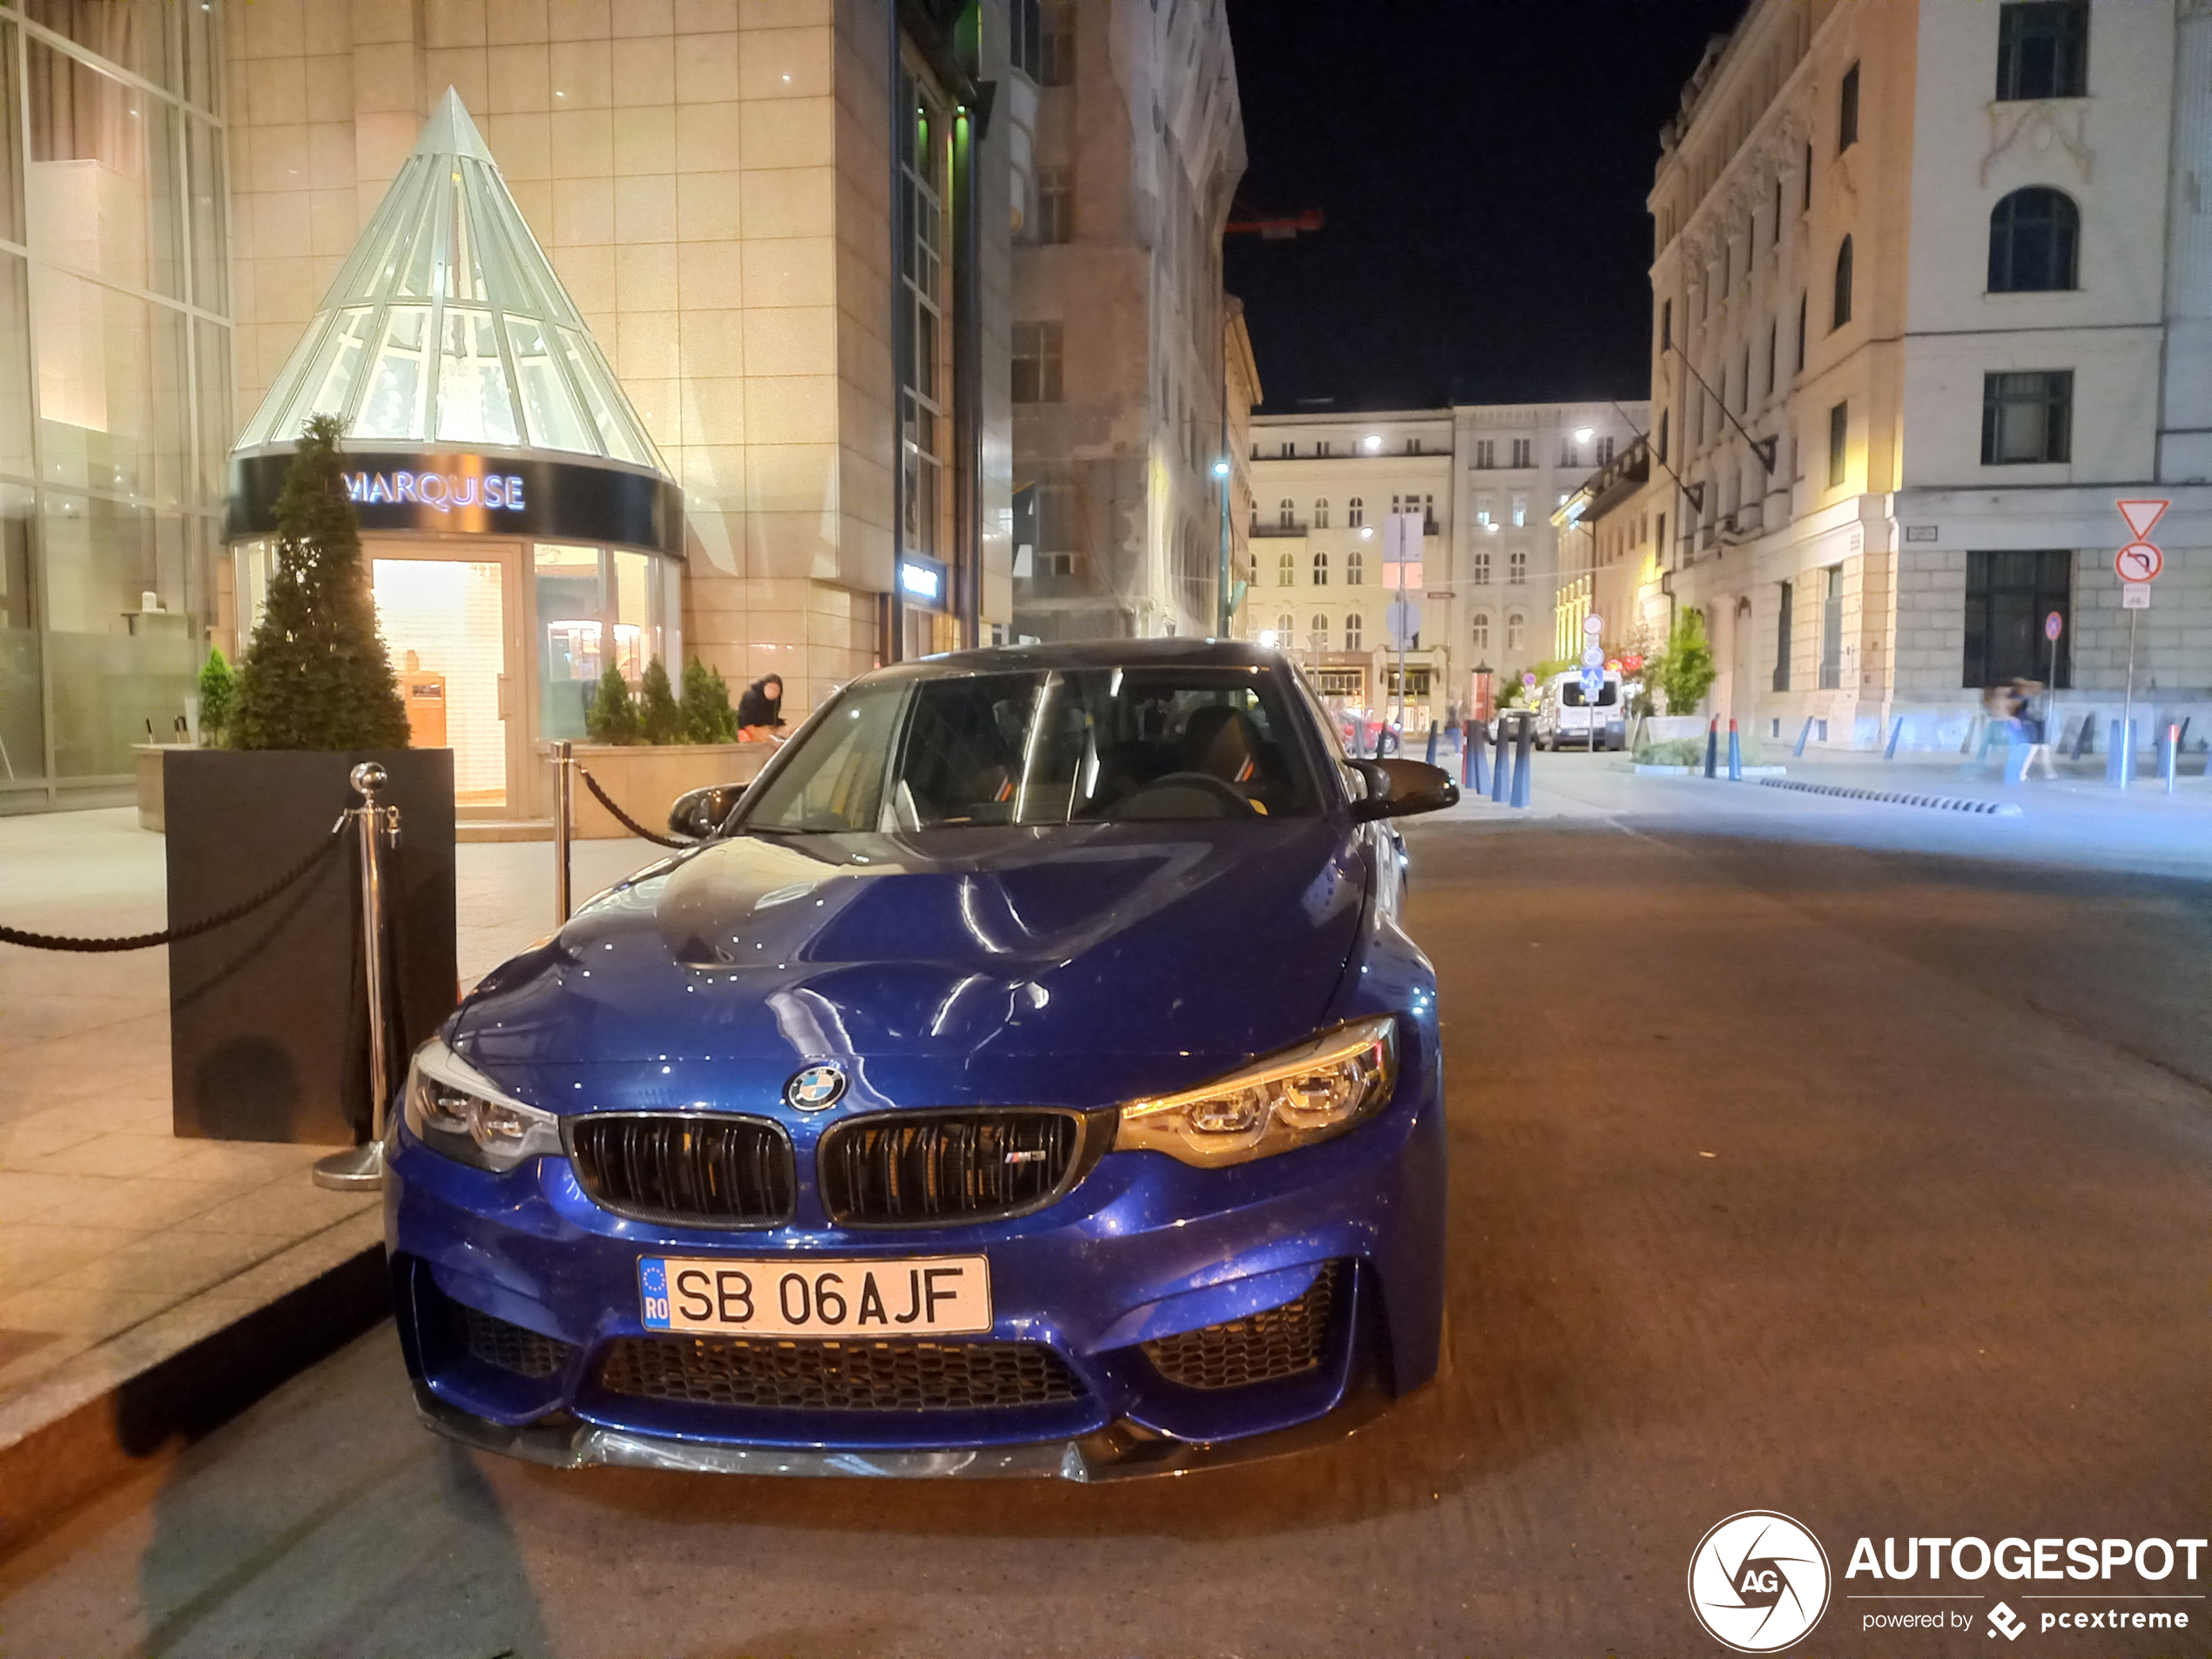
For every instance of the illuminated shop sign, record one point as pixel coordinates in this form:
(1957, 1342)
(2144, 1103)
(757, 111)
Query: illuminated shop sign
(455, 493)
(443, 491)
(922, 579)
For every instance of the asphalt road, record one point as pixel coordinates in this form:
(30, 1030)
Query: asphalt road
(1864, 1185)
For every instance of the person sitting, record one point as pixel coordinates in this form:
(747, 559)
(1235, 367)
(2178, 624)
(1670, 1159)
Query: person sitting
(760, 710)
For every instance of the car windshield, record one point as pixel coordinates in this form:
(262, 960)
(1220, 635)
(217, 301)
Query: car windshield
(1042, 747)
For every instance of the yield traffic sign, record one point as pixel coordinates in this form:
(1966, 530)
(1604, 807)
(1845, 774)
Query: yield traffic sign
(2142, 513)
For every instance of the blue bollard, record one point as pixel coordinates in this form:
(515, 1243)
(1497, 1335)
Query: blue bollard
(1897, 730)
(1501, 767)
(1476, 761)
(1734, 755)
(2120, 756)
(1802, 738)
(1712, 745)
(1431, 756)
(2170, 748)
(1521, 767)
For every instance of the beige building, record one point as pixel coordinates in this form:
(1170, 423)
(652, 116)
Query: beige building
(1122, 396)
(1931, 290)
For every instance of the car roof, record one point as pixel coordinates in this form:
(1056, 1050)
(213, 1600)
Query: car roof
(1095, 653)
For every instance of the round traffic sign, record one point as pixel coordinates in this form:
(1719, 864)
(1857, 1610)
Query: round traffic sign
(2054, 625)
(1593, 625)
(2139, 562)
(1593, 656)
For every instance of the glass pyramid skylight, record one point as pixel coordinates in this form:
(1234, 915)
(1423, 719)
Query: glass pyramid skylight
(447, 326)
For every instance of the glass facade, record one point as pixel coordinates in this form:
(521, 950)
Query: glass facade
(115, 379)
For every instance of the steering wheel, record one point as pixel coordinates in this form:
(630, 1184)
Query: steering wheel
(1223, 795)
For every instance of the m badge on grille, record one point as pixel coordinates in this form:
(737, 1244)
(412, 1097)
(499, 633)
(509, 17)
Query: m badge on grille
(816, 1089)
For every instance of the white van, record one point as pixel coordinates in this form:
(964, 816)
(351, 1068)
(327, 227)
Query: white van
(1565, 716)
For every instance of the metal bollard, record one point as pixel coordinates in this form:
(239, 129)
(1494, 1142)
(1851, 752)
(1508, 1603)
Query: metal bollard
(563, 826)
(1801, 739)
(360, 1169)
(1475, 763)
(1734, 755)
(1522, 739)
(2120, 761)
(2169, 762)
(1501, 764)
(1897, 730)
(1431, 756)
(1712, 745)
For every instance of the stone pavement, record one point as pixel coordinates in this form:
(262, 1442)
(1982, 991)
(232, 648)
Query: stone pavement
(121, 1244)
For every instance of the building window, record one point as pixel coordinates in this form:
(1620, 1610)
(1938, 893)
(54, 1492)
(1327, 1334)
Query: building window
(1843, 286)
(1482, 567)
(2034, 239)
(1839, 442)
(1036, 362)
(1355, 568)
(1482, 631)
(1316, 638)
(1287, 570)
(2026, 418)
(1663, 434)
(2008, 595)
(1786, 620)
(1776, 240)
(1519, 510)
(1355, 512)
(1289, 451)
(1521, 451)
(1321, 514)
(1286, 514)
(1056, 45)
(1666, 324)
(2043, 49)
(1056, 205)
(924, 398)
(1486, 453)
(1517, 567)
(1831, 630)
(1025, 28)
(1804, 305)
(1482, 509)
(1320, 570)
(1351, 631)
(1773, 333)
(1605, 451)
(1516, 631)
(1744, 382)
(1058, 531)
(1847, 112)
(1806, 206)
(1412, 446)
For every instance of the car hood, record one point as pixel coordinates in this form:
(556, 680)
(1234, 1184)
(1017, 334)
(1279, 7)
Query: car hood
(1186, 940)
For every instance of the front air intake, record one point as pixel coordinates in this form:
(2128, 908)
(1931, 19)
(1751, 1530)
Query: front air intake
(703, 1169)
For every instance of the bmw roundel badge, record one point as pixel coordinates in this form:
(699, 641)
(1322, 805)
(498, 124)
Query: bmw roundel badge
(816, 1089)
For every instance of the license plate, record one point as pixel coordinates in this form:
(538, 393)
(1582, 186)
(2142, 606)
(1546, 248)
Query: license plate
(818, 1297)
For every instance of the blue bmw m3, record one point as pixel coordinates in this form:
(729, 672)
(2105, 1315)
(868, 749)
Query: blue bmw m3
(1028, 1075)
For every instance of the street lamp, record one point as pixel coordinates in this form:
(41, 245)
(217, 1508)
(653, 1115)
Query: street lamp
(1371, 444)
(1220, 470)
(1582, 434)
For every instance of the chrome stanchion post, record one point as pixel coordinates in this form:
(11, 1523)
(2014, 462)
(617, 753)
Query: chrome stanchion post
(563, 825)
(362, 1168)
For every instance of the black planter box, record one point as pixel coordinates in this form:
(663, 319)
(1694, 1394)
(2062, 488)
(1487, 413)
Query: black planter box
(268, 1019)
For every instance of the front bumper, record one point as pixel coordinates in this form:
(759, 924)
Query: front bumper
(1143, 1249)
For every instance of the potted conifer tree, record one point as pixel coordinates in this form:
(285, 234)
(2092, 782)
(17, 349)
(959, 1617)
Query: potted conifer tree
(268, 1028)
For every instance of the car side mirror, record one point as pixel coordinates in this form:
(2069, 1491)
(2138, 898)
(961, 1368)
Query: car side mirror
(1401, 788)
(700, 813)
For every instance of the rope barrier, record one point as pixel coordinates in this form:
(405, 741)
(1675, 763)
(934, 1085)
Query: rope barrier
(170, 935)
(625, 819)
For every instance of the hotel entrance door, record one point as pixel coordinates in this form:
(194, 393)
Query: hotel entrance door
(450, 626)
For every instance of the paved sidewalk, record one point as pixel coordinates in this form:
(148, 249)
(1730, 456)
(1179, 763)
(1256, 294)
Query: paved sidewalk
(121, 1244)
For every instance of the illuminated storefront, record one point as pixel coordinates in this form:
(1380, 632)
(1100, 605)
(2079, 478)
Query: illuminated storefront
(522, 532)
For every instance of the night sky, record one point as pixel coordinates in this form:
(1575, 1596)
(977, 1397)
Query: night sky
(1483, 165)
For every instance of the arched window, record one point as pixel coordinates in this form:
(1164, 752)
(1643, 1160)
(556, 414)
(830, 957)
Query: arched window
(1482, 631)
(1355, 512)
(2034, 242)
(1517, 567)
(1516, 631)
(1355, 568)
(1321, 514)
(1351, 631)
(1287, 570)
(1285, 631)
(1320, 570)
(1317, 640)
(1843, 286)
(1287, 514)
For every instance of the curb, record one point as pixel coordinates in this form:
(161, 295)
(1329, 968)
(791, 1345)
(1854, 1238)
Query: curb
(1946, 803)
(127, 1406)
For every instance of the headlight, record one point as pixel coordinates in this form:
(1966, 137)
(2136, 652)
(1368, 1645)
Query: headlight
(453, 1108)
(1291, 1099)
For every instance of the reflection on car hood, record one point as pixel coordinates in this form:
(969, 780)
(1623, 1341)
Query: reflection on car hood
(1218, 940)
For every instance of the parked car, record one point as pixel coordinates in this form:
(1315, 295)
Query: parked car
(1566, 716)
(1028, 1075)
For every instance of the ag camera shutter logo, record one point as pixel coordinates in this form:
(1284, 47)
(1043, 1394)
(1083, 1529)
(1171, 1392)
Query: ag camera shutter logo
(1758, 1581)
